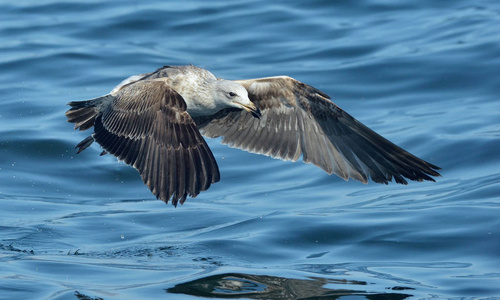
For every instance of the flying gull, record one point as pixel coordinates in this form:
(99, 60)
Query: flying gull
(155, 122)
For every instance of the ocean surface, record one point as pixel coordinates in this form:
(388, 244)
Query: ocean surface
(424, 74)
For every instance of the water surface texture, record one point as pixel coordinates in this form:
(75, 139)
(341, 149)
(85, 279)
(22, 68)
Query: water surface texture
(425, 74)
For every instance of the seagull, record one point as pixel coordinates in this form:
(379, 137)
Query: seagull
(155, 122)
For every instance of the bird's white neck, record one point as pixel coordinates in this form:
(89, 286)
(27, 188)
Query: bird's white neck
(199, 98)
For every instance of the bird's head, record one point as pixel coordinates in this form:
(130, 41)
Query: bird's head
(233, 94)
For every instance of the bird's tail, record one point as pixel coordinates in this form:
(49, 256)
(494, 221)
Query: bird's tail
(83, 113)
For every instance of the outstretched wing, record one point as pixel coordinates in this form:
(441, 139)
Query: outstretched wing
(147, 126)
(298, 119)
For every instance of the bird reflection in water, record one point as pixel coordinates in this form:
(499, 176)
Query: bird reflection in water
(236, 285)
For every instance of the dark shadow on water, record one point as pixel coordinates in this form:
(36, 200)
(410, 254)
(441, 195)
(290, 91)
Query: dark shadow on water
(235, 285)
(80, 296)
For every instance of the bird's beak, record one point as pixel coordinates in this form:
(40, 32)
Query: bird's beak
(251, 108)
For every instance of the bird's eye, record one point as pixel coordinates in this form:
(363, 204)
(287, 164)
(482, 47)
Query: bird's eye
(232, 94)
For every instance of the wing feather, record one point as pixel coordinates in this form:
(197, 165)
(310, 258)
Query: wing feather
(298, 119)
(147, 126)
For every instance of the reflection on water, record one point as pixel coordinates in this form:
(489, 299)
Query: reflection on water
(237, 285)
(81, 296)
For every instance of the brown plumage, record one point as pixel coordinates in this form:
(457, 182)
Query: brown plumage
(153, 122)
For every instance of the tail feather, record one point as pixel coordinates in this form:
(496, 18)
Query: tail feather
(83, 113)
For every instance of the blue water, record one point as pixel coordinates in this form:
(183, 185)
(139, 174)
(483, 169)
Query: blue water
(425, 74)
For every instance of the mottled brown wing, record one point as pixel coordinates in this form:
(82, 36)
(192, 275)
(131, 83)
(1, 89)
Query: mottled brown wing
(146, 125)
(298, 119)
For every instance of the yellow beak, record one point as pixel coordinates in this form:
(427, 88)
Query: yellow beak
(251, 108)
